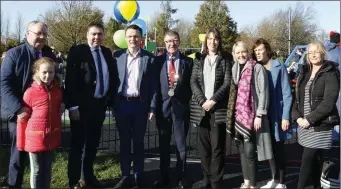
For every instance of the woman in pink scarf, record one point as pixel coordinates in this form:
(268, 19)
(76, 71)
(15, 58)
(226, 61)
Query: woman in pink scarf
(251, 105)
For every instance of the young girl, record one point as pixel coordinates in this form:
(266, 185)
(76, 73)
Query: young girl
(40, 132)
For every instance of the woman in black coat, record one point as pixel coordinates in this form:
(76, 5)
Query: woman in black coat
(210, 81)
(315, 111)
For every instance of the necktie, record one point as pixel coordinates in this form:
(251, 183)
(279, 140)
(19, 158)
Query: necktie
(37, 55)
(100, 92)
(171, 73)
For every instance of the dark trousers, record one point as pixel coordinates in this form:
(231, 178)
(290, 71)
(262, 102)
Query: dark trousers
(247, 150)
(180, 129)
(41, 169)
(212, 139)
(85, 137)
(311, 167)
(131, 122)
(17, 159)
(279, 162)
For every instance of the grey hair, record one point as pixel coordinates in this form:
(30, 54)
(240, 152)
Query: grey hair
(34, 22)
(242, 44)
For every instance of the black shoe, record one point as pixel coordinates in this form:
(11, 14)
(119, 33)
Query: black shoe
(94, 183)
(124, 183)
(162, 183)
(76, 186)
(206, 184)
(180, 185)
(139, 182)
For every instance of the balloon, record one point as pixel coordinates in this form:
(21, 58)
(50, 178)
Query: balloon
(192, 56)
(142, 24)
(202, 37)
(126, 11)
(119, 39)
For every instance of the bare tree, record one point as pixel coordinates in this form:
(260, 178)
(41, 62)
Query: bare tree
(322, 36)
(19, 27)
(185, 27)
(7, 29)
(68, 22)
(275, 27)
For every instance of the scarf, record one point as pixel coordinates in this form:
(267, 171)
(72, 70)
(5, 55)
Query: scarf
(245, 109)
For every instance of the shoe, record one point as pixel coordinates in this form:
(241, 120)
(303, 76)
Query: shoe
(76, 186)
(161, 183)
(180, 185)
(124, 183)
(270, 184)
(206, 184)
(243, 186)
(281, 186)
(138, 182)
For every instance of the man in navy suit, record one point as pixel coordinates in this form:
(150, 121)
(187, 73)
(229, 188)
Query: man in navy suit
(134, 103)
(16, 77)
(173, 96)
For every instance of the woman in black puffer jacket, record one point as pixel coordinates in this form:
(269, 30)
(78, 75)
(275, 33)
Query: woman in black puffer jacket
(210, 81)
(315, 111)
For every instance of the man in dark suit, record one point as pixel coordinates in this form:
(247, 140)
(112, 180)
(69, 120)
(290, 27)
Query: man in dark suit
(133, 103)
(91, 81)
(16, 77)
(173, 96)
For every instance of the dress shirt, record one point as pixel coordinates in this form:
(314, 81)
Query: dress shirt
(131, 85)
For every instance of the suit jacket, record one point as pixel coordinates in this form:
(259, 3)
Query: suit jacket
(80, 78)
(182, 93)
(16, 77)
(147, 73)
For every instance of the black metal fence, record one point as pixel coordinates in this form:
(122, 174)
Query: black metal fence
(110, 138)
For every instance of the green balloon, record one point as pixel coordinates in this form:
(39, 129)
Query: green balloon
(119, 39)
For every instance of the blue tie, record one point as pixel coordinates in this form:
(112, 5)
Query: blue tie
(99, 93)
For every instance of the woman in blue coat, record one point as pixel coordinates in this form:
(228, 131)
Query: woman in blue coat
(279, 111)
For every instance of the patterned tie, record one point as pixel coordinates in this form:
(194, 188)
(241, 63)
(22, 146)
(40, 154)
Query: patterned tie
(100, 93)
(171, 72)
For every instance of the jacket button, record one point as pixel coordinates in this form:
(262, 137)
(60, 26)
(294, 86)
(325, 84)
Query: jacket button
(94, 82)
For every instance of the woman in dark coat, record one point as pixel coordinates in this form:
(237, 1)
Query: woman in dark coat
(315, 111)
(211, 77)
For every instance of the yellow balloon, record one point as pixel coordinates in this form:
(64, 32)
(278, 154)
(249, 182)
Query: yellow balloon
(127, 9)
(202, 37)
(192, 55)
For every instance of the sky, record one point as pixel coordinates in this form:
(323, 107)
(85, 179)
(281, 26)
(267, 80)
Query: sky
(242, 12)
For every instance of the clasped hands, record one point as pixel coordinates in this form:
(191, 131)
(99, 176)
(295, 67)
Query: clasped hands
(208, 105)
(303, 122)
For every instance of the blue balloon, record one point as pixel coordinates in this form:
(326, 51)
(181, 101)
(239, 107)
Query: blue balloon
(142, 24)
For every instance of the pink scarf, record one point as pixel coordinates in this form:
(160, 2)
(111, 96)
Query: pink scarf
(245, 110)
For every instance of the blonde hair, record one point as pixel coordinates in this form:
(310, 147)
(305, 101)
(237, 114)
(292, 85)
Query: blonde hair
(40, 61)
(241, 44)
(319, 47)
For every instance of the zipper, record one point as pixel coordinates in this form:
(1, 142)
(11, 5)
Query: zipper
(312, 89)
(49, 116)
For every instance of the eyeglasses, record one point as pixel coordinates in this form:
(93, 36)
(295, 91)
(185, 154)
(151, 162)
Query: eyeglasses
(313, 53)
(172, 41)
(40, 33)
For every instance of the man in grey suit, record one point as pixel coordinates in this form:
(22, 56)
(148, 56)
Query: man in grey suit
(134, 103)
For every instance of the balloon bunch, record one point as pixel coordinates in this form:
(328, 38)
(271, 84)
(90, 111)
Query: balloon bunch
(127, 12)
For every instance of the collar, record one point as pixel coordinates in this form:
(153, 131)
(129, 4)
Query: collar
(93, 48)
(134, 55)
(177, 55)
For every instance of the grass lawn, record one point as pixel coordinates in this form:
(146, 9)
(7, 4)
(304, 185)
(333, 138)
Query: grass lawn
(106, 168)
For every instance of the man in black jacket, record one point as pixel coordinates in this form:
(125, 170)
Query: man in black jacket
(90, 81)
(16, 76)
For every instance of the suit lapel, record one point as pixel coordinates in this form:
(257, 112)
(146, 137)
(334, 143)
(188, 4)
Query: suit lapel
(91, 58)
(142, 67)
(164, 75)
(122, 65)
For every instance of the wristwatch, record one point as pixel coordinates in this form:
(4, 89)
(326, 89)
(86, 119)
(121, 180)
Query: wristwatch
(259, 116)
